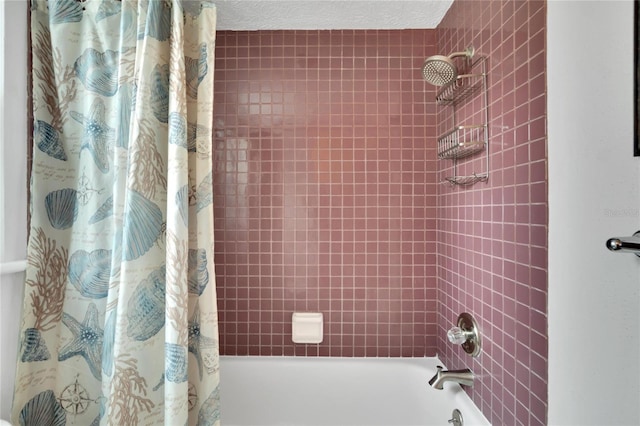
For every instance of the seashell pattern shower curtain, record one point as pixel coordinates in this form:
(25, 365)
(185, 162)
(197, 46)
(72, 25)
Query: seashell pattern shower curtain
(120, 320)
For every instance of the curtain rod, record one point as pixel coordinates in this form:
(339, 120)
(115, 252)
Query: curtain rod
(13, 267)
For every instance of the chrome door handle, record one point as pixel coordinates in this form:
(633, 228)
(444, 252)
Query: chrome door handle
(625, 244)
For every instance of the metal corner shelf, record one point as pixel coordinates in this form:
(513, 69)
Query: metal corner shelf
(461, 142)
(464, 141)
(466, 180)
(457, 91)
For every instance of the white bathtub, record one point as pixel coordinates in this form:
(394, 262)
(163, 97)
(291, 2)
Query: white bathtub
(318, 391)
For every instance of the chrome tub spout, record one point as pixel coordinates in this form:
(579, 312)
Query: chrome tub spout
(464, 377)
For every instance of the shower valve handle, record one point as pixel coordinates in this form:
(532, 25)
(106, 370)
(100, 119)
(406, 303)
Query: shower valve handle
(458, 336)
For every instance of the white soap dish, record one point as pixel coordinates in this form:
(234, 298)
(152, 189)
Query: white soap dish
(306, 327)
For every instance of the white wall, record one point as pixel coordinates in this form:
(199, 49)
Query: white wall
(13, 143)
(594, 194)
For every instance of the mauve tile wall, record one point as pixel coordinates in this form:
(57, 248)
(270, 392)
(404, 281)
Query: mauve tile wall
(325, 191)
(492, 252)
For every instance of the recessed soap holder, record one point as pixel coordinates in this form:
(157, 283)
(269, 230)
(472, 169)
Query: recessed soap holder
(466, 334)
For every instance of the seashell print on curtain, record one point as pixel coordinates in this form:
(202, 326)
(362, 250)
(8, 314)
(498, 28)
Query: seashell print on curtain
(119, 322)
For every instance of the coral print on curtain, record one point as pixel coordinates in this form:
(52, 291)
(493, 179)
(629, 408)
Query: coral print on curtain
(120, 318)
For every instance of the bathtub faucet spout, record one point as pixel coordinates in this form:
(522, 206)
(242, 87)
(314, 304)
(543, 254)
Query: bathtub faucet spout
(464, 377)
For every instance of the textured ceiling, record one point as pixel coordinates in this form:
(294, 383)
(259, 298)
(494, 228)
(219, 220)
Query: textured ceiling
(329, 14)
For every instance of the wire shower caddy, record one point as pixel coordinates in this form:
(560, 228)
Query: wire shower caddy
(467, 140)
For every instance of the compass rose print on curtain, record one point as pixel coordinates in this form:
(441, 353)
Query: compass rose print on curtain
(119, 322)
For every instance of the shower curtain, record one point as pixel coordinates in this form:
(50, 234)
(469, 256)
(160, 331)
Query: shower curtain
(119, 319)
